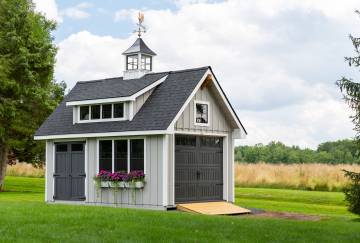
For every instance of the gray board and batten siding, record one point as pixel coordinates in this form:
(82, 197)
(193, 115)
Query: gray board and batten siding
(149, 197)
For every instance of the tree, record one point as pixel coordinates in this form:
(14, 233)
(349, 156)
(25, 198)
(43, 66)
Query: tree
(351, 89)
(28, 93)
(352, 192)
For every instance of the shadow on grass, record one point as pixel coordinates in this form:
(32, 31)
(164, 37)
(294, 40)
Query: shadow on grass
(356, 220)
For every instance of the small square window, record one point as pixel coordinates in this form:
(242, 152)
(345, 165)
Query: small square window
(95, 112)
(84, 112)
(119, 110)
(106, 111)
(202, 113)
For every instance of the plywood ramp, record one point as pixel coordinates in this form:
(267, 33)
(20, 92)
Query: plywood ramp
(212, 208)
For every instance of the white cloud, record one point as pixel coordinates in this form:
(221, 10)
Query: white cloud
(84, 56)
(78, 11)
(48, 8)
(276, 59)
(305, 124)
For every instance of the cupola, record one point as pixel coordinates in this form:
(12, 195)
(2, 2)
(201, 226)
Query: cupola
(139, 58)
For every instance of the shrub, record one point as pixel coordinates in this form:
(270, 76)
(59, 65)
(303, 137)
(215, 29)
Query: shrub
(352, 191)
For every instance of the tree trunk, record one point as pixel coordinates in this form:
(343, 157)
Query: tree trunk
(3, 163)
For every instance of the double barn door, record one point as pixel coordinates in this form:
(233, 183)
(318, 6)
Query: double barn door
(69, 173)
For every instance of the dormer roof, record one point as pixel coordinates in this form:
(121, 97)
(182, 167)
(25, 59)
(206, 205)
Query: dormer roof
(139, 46)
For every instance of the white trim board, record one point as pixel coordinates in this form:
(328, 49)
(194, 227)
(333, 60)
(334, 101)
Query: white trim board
(117, 99)
(104, 134)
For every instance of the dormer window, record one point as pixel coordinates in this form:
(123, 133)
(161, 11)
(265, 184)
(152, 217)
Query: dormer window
(146, 62)
(132, 62)
(103, 112)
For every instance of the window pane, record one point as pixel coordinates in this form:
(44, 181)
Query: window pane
(61, 147)
(106, 111)
(84, 112)
(95, 112)
(132, 62)
(121, 156)
(211, 142)
(185, 140)
(119, 110)
(105, 155)
(201, 113)
(77, 147)
(137, 154)
(146, 62)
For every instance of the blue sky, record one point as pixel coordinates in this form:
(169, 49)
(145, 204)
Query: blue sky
(277, 60)
(100, 20)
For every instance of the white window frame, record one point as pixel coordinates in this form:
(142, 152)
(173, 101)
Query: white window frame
(113, 152)
(123, 118)
(208, 115)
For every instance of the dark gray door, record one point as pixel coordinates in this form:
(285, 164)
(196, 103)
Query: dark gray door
(198, 168)
(69, 176)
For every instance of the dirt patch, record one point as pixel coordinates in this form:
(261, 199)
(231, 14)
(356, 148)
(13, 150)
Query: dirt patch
(284, 215)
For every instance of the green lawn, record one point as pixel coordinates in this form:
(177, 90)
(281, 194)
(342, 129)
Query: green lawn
(24, 217)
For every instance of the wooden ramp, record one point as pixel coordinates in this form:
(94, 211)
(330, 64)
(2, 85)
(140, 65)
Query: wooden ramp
(212, 208)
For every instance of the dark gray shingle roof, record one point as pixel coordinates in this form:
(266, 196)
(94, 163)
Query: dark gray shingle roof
(156, 114)
(139, 46)
(112, 87)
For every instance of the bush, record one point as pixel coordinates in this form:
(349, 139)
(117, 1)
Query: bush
(352, 192)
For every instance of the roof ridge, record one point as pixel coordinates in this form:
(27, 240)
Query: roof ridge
(155, 73)
(98, 80)
(189, 69)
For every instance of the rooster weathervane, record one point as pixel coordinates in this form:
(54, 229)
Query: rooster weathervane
(141, 28)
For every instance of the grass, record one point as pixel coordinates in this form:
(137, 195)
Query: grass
(315, 177)
(24, 217)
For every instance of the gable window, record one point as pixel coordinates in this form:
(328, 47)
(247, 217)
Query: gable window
(132, 62)
(146, 62)
(104, 112)
(122, 155)
(84, 113)
(201, 113)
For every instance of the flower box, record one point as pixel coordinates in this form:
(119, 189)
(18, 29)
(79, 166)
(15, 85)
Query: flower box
(135, 185)
(134, 179)
(109, 184)
(105, 184)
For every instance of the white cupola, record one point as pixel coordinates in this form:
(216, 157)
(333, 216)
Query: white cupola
(139, 58)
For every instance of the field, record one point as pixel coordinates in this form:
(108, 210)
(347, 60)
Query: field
(318, 177)
(24, 217)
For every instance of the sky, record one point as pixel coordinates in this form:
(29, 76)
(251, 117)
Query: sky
(277, 60)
